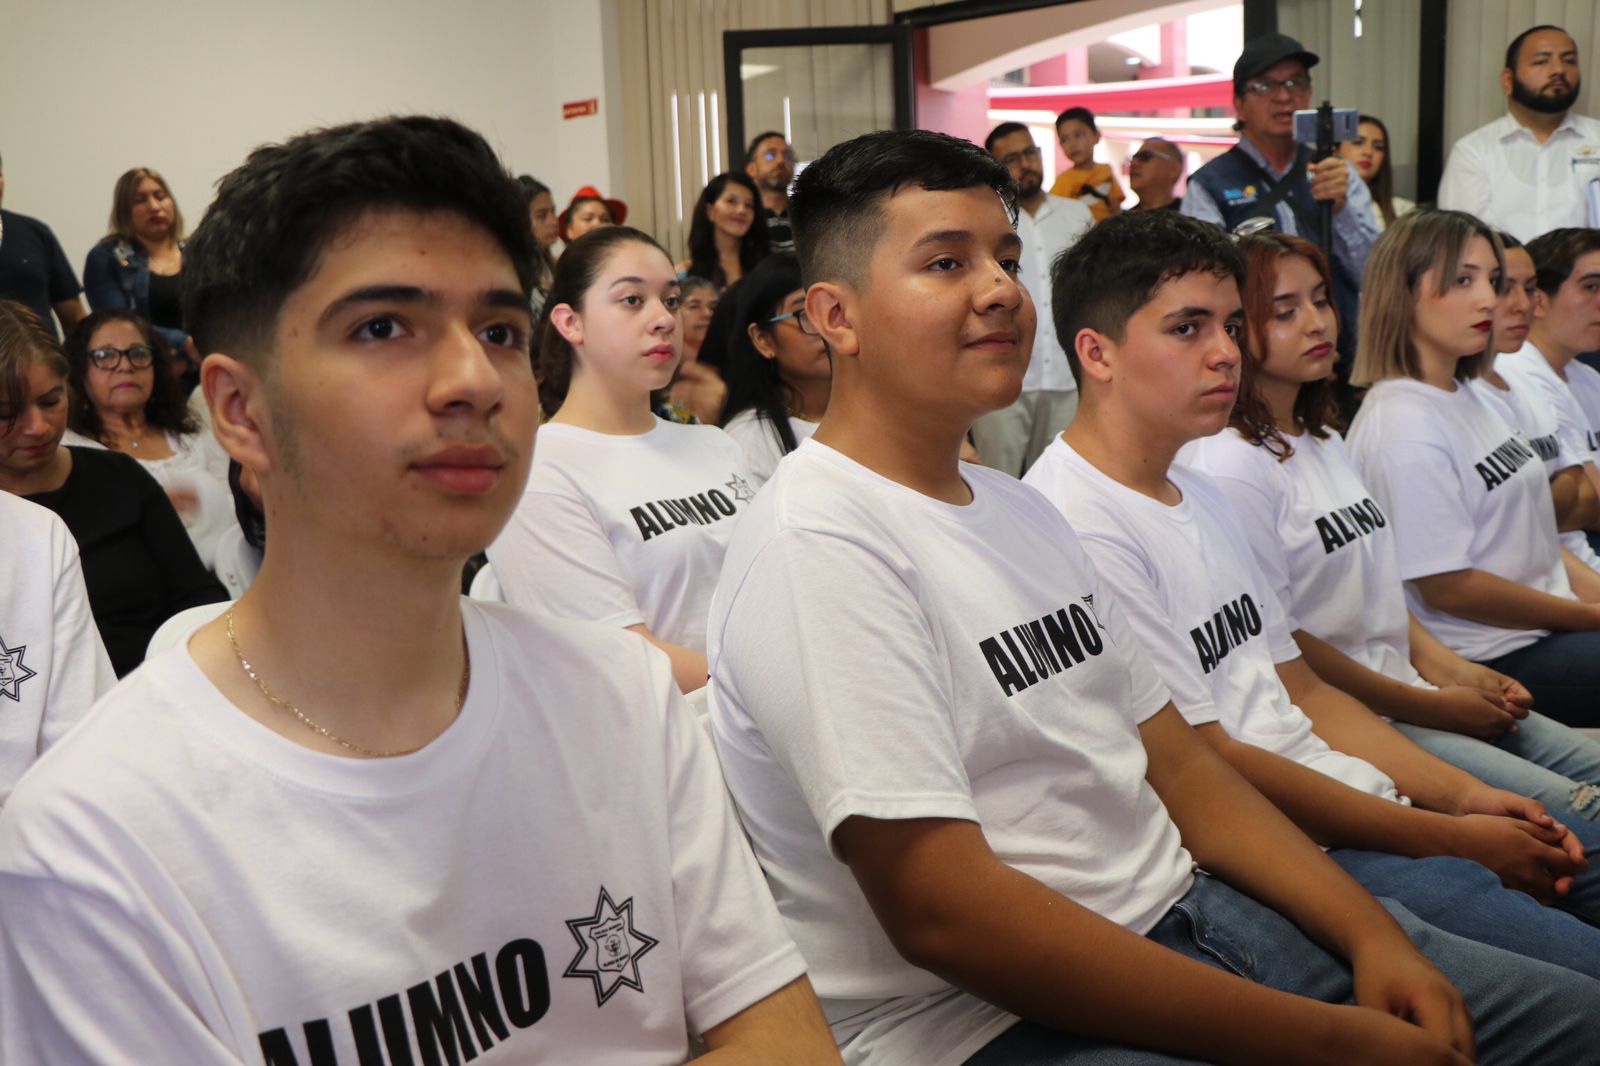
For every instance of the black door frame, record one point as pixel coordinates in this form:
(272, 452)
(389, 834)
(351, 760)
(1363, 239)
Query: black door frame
(735, 42)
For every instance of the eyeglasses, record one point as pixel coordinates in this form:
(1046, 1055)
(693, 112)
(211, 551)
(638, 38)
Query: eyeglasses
(1029, 154)
(1144, 155)
(800, 319)
(1294, 86)
(772, 155)
(138, 357)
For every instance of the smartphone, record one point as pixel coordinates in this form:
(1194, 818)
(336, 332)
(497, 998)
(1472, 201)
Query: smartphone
(1344, 125)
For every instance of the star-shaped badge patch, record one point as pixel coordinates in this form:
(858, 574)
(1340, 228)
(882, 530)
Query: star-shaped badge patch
(609, 948)
(741, 489)
(12, 672)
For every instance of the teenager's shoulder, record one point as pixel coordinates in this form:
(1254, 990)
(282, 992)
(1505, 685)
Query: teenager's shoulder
(568, 656)
(1229, 455)
(30, 527)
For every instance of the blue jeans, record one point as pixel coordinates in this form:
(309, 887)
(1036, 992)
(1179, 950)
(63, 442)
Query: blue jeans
(1562, 671)
(1554, 764)
(1523, 1010)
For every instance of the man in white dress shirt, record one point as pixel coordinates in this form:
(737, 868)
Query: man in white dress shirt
(1535, 168)
(1012, 438)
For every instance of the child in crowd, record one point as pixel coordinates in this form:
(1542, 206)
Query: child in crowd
(626, 515)
(1468, 496)
(778, 368)
(1094, 184)
(360, 818)
(1326, 552)
(52, 664)
(1153, 338)
(967, 786)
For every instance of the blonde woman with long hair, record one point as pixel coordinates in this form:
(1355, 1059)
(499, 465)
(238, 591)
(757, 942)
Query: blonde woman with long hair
(1468, 496)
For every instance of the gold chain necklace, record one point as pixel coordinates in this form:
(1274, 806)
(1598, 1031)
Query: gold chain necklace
(250, 672)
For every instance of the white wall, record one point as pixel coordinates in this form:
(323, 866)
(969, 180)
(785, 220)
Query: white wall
(89, 89)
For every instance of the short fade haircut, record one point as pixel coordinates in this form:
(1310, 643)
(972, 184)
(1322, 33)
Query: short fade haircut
(750, 153)
(1005, 129)
(276, 214)
(1514, 49)
(1080, 114)
(1557, 252)
(836, 207)
(1115, 269)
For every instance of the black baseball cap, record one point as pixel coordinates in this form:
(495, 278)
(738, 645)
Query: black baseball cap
(1265, 52)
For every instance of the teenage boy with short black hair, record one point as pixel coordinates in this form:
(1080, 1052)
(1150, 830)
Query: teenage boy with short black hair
(965, 784)
(360, 818)
(1151, 310)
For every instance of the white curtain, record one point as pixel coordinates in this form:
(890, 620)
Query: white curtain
(675, 100)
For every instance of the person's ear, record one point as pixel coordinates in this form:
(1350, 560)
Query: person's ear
(238, 402)
(1541, 303)
(1508, 79)
(762, 340)
(567, 323)
(1096, 355)
(834, 308)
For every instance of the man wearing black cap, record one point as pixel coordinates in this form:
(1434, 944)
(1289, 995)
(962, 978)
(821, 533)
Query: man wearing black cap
(1267, 175)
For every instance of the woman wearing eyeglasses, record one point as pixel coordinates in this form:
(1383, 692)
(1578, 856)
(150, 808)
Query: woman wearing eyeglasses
(124, 399)
(778, 372)
(626, 516)
(138, 566)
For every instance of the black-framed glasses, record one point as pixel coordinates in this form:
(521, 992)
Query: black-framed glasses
(108, 358)
(1030, 154)
(1294, 86)
(800, 319)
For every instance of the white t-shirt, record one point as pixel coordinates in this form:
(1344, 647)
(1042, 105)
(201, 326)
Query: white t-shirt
(557, 877)
(1463, 491)
(759, 439)
(1197, 606)
(625, 529)
(879, 653)
(1503, 174)
(191, 470)
(1320, 542)
(1578, 430)
(52, 664)
(1057, 225)
(1525, 409)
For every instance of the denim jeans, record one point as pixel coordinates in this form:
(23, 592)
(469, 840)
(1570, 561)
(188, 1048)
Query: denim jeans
(1548, 761)
(1562, 671)
(1523, 1010)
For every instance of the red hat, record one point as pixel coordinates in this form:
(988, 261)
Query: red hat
(618, 209)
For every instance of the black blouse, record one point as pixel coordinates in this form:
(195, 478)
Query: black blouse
(138, 561)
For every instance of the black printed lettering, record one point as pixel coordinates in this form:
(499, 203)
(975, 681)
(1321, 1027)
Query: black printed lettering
(1203, 650)
(1086, 629)
(365, 1032)
(524, 984)
(1330, 536)
(647, 525)
(703, 508)
(1001, 666)
(396, 1033)
(477, 994)
(720, 500)
(440, 1024)
(1034, 651)
(276, 1049)
(1228, 627)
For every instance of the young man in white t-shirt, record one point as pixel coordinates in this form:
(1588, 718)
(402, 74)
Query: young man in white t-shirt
(360, 819)
(1152, 310)
(52, 664)
(977, 807)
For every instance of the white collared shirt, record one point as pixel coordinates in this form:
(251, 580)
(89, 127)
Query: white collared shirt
(1054, 228)
(1502, 174)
